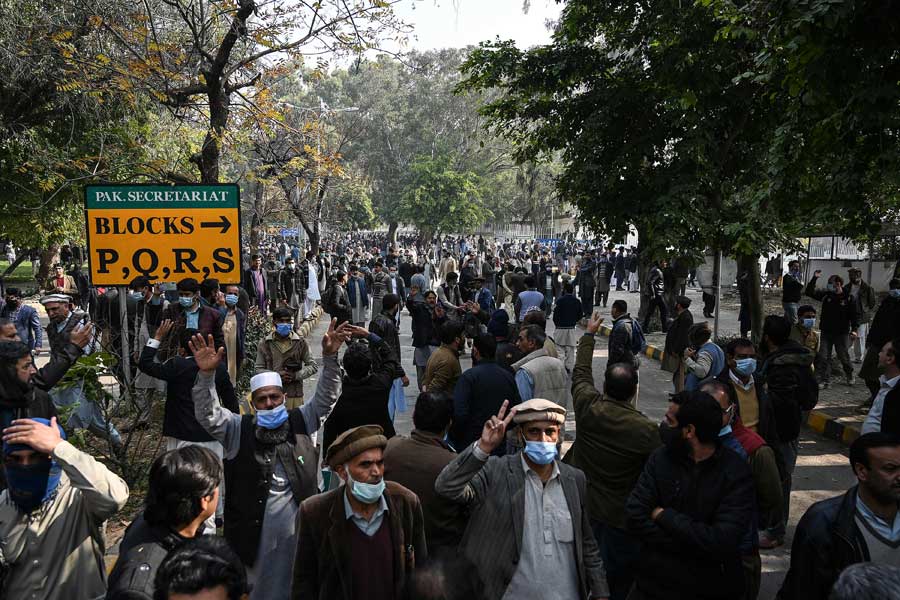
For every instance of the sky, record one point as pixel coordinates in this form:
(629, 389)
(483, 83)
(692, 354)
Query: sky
(459, 23)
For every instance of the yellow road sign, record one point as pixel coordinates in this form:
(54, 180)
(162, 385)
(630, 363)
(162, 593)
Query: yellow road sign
(166, 233)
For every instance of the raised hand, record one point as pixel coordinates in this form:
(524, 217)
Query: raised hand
(81, 336)
(356, 331)
(205, 353)
(494, 430)
(42, 438)
(594, 323)
(334, 337)
(163, 330)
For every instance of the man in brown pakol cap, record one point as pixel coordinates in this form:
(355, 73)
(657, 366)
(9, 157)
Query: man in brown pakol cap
(529, 534)
(376, 522)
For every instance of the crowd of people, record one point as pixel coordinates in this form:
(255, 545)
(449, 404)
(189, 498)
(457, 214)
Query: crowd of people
(284, 496)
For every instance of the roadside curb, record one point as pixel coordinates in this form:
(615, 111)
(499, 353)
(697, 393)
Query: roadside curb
(307, 326)
(819, 421)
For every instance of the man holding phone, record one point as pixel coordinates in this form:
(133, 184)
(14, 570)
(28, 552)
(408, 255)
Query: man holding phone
(63, 323)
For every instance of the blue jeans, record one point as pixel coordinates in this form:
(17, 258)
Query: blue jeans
(620, 553)
(86, 415)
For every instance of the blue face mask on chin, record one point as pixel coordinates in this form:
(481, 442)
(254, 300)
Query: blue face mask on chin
(541, 453)
(367, 493)
(272, 419)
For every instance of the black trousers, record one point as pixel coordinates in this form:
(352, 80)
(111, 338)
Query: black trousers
(709, 303)
(657, 301)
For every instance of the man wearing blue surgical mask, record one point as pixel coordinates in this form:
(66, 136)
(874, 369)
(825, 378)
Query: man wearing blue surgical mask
(747, 391)
(234, 326)
(365, 538)
(529, 534)
(286, 352)
(273, 463)
(187, 313)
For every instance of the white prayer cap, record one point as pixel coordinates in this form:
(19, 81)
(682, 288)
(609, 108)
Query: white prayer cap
(264, 379)
(56, 298)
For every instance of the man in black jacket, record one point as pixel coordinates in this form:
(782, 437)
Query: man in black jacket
(791, 389)
(179, 372)
(421, 306)
(479, 393)
(791, 291)
(183, 493)
(677, 341)
(885, 326)
(859, 526)
(366, 387)
(839, 317)
(690, 508)
(384, 325)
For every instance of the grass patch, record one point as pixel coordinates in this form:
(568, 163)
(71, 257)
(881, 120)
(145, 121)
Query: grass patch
(21, 274)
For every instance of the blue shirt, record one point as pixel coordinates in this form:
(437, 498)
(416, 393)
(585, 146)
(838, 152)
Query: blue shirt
(369, 528)
(525, 384)
(192, 318)
(889, 531)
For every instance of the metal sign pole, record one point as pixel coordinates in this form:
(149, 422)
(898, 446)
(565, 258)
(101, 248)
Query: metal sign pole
(717, 273)
(123, 320)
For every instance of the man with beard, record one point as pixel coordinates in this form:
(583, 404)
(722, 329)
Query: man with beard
(86, 414)
(272, 462)
(862, 525)
(425, 338)
(690, 509)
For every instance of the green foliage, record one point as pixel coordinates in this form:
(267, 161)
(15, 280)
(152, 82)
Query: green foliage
(438, 198)
(258, 327)
(672, 117)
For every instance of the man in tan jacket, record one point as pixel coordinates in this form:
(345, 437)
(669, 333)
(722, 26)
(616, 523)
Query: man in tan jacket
(287, 353)
(443, 369)
(51, 515)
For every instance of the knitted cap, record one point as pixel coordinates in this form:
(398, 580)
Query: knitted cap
(355, 441)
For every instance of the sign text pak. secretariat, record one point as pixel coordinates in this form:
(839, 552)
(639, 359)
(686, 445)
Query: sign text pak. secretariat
(164, 232)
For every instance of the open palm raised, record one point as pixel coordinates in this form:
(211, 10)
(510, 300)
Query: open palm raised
(205, 353)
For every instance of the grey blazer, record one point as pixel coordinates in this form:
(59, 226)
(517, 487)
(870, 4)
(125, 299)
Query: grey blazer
(495, 493)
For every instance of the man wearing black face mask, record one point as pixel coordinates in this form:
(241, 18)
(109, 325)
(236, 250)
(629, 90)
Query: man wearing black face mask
(51, 515)
(690, 508)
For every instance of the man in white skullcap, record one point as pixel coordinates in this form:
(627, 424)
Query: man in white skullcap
(272, 462)
(529, 533)
(63, 322)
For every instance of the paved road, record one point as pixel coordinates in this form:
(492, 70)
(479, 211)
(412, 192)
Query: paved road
(822, 469)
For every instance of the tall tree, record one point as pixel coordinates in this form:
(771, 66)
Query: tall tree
(205, 60)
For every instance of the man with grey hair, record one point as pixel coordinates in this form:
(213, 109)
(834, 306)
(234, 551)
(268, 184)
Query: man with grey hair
(529, 533)
(867, 581)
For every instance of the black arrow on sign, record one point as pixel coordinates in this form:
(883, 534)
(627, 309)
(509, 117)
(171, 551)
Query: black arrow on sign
(224, 224)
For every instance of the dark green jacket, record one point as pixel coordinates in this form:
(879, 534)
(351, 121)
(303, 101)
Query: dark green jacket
(613, 442)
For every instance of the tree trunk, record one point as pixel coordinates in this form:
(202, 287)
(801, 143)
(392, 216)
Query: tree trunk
(393, 226)
(254, 233)
(208, 160)
(751, 264)
(47, 257)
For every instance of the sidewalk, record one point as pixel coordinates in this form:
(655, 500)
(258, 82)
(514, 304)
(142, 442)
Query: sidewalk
(834, 417)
